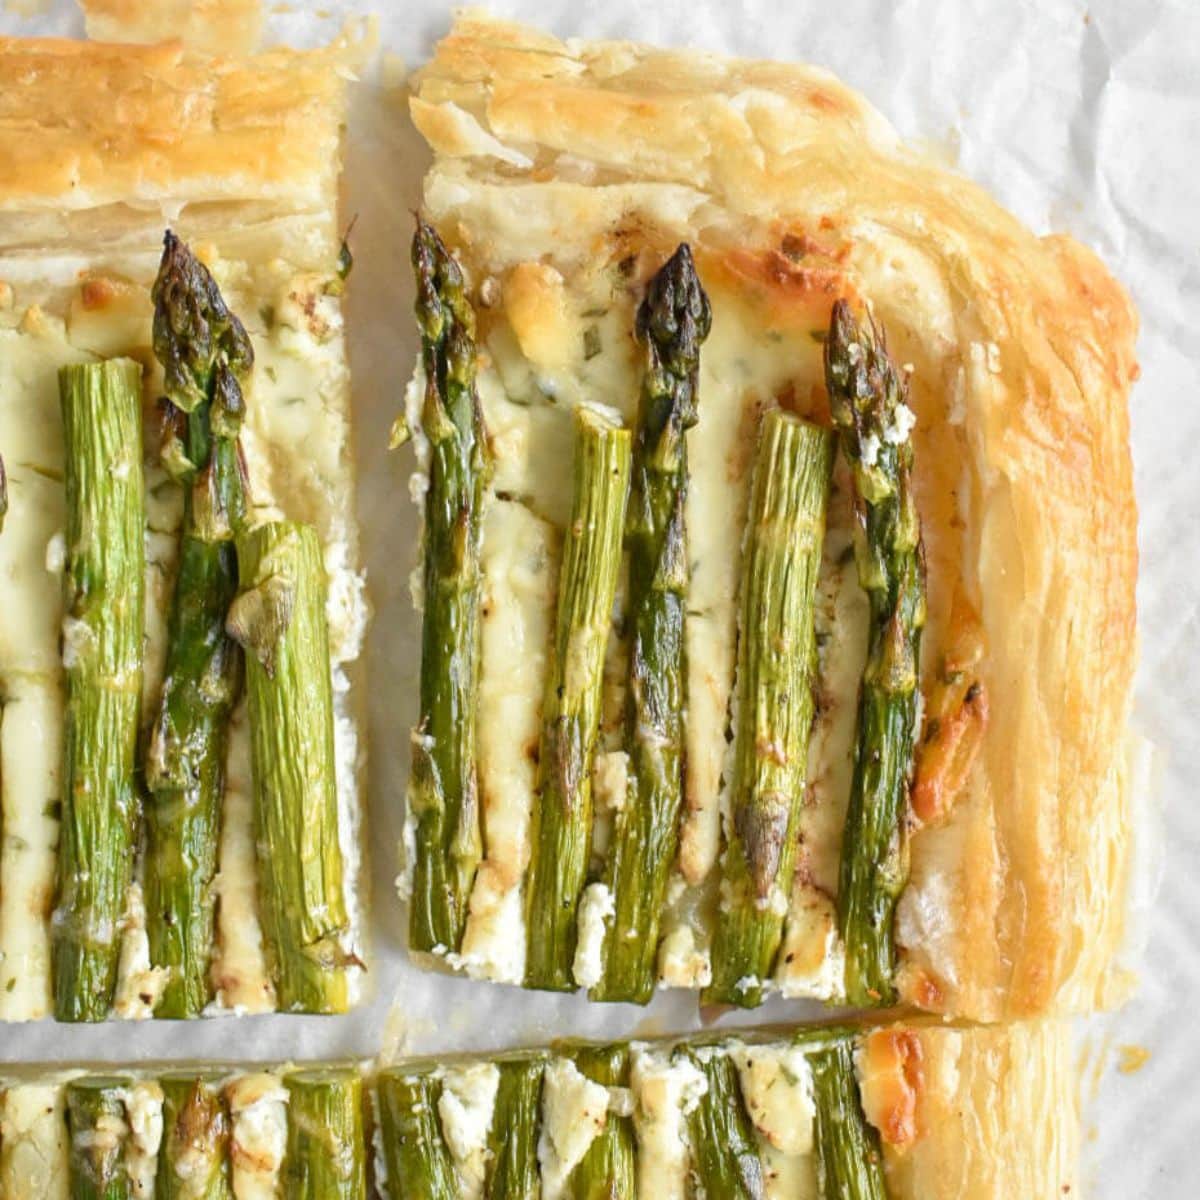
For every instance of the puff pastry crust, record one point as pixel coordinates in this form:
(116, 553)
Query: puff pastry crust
(994, 1113)
(552, 157)
(85, 124)
(214, 26)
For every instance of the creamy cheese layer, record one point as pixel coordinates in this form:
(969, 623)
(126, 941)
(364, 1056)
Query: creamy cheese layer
(465, 1106)
(666, 1091)
(552, 339)
(574, 1111)
(297, 448)
(776, 1086)
(144, 1116)
(259, 1121)
(33, 1142)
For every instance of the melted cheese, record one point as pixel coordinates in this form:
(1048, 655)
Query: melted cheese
(144, 1115)
(681, 963)
(258, 1115)
(596, 906)
(465, 1106)
(777, 1088)
(139, 985)
(788, 1176)
(30, 667)
(30, 776)
(32, 445)
(33, 1142)
(551, 340)
(665, 1093)
(888, 1065)
(240, 965)
(574, 1111)
(520, 559)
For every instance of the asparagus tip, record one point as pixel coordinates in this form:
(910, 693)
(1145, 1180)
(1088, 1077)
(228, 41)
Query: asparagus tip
(441, 291)
(194, 329)
(675, 314)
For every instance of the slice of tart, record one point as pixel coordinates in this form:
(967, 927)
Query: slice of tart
(158, 408)
(842, 450)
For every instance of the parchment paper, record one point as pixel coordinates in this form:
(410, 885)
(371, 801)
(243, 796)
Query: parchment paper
(1079, 117)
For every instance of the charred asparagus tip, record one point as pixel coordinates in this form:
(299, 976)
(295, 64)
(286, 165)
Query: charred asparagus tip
(675, 313)
(193, 327)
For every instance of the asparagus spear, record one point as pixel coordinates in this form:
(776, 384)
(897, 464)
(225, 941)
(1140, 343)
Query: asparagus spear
(279, 619)
(98, 1133)
(849, 1159)
(194, 1161)
(443, 795)
(724, 1150)
(415, 1156)
(867, 399)
(3, 493)
(608, 1170)
(513, 1166)
(672, 322)
(325, 1158)
(561, 836)
(103, 602)
(206, 357)
(776, 665)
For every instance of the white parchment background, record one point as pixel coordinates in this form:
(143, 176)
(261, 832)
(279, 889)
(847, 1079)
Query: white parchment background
(1080, 117)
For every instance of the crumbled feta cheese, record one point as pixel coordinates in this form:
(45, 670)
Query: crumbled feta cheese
(465, 1106)
(681, 963)
(903, 420)
(777, 1087)
(574, 1111)
(139, 985)
(666, 1092)
(143, 1113)
(258, 1112)
(595, 907)
(56, 553)
(610, 780)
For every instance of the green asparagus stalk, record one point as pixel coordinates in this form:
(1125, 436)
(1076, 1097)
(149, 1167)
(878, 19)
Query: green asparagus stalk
(849, 1158)
(725, 1158)
(672, 322)
(279, 619)
(99, 1132)
(443, 795)
(3, 493)
(776, 668)
(104, 595)
(867, 400)
(608, 1170)
(325, 1159)
(415, 1156)
(193, 1162)
(513, 1163)
(561, 836)
(206, 357)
